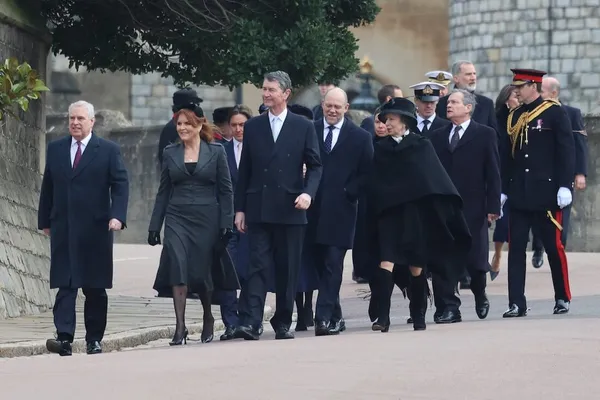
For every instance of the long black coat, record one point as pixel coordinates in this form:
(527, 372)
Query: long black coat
(77, 205)
(579, 138)
(270, 175)
(474, 167)
(409, 176)
(332, 216)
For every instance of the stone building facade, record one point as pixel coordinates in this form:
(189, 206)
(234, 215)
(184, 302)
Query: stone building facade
(561, 37)
(24, 251)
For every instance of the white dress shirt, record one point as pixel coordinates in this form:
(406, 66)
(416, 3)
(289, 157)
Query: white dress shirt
(277, 122)
(237, 151)
(420, 123)
(463, 127)
(336, 132)
(398, 139)
(84, 144)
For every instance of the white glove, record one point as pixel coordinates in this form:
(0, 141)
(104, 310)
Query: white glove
(503, 198)
(564, 197)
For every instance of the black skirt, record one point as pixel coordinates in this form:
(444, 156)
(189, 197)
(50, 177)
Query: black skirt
(420, 234)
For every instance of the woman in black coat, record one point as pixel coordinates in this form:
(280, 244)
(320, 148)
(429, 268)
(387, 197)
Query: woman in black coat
(417, 213)
(195, 201)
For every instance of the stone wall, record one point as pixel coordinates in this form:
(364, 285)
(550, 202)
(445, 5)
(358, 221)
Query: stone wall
(561, 37)
(24, 251)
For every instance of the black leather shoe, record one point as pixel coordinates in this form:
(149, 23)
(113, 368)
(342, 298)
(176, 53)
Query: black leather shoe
(321, 329)
(93, 347)
(419, 324)
(514, 311)
(246, 332)
(449, 317)
(260, 329)
(381, 326)
(60, 347)
(228, 334)
(538, 259)
(561, 307)
(436, 316)
(482, 307)
(336, 327)
(283, 333)
(409, 320)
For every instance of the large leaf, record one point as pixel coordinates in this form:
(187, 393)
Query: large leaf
(23, 102)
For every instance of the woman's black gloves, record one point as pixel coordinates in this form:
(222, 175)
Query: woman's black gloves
(153, 238)
(224, 237)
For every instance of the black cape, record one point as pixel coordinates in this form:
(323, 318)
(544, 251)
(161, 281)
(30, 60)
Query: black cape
(409, 173)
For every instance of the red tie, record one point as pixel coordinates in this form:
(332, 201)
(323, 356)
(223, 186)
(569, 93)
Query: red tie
(77, 155)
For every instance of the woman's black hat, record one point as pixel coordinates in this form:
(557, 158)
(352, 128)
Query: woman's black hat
(400, 106)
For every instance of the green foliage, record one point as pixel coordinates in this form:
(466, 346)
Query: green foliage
(216, 42)
(19, 84)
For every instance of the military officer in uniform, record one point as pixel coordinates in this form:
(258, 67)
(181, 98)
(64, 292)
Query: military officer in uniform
(537, 177)
(427, 95)
(441, 78)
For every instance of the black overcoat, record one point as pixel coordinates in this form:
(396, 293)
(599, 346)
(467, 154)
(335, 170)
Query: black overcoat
(332, 216)
(77, 204)
(409, 174)
(474, 167)
(270, 175)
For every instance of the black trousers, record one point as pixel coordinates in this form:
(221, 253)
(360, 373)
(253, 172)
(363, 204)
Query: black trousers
(444, 293)
(536, 243)
(519, 225)
(330, 265)
(271, 243)
(94, 313)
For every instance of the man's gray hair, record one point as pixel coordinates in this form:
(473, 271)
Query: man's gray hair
(468, 98)
(280, 77)
(85, 104)
(458, 65)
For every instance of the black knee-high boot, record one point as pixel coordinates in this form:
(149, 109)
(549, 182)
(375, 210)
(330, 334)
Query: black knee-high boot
(418, 301)
(385, 287)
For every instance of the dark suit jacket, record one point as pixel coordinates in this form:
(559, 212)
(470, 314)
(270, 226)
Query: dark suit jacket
(474, 167)
(580, 137)
(179, 188)
(270, 173)
(332, 216)
(168, 136)
(233, 169)
(438, 123)
(368, 124)
(484, 114)
(77, 204)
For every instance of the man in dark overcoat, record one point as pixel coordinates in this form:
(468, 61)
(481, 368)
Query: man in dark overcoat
(271, 199)
(83, 200)
(551, 91)
(238, 244)
(346, 154)
(469, 153)
(464, 76)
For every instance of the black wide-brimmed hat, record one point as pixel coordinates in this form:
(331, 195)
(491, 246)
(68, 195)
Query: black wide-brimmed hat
(400, 106)
(186, 96)
(301, 110)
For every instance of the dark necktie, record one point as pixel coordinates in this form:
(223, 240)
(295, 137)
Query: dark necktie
(426, 125)
(77, 155)
(329, 139)
(455, 138)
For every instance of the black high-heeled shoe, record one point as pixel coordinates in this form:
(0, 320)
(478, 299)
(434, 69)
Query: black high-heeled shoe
(179, 338)
(208, 330)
